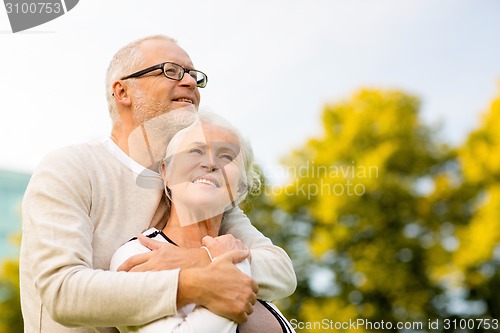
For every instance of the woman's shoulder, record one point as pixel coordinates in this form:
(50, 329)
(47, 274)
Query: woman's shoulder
(131, 248)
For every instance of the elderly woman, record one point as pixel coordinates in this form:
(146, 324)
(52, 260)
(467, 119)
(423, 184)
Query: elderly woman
(208, 169)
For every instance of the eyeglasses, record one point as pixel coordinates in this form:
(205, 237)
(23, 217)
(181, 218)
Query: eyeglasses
(174, 72)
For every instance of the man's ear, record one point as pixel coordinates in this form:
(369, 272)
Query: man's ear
(121, 94)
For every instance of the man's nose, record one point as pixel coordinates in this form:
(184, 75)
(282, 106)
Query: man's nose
(188, 81)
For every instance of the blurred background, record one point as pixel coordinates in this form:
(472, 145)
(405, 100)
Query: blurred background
(374, 124)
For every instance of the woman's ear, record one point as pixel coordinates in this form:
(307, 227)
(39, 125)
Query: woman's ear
(163, 171)
(242, 187)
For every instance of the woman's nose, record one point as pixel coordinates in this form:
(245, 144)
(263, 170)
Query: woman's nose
(209, 163)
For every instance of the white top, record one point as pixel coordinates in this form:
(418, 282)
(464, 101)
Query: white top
(125, 159)
(189, 319)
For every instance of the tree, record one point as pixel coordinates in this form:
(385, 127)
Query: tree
(362, 199)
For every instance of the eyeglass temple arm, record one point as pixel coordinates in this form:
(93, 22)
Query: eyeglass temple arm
(144, 71)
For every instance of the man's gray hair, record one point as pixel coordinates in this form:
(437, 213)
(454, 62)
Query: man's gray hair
(124, 62)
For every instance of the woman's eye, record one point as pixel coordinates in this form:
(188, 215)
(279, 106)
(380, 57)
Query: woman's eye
(197, 151)
(227, 157)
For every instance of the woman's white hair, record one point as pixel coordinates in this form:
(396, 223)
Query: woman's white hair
(127, 60)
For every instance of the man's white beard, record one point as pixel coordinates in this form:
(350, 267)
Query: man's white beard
(148, 108)
(148, 142)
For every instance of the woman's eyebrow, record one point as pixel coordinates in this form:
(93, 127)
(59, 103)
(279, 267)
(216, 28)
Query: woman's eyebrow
(227, 149)
(197, 144)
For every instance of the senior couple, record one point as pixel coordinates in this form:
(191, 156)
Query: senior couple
(200, 266)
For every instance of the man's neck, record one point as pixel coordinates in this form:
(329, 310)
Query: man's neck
(135, 143)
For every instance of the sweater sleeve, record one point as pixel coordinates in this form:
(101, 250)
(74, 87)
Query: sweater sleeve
(271, 266)
(58, 238)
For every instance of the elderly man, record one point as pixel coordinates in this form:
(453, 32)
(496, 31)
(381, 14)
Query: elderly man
(84, 201)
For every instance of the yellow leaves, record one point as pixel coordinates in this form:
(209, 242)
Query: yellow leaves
(480, 156)
(368, 118)
(480, 162)
(479, 238)
(374, 161)
(324, 239)
(318, 316)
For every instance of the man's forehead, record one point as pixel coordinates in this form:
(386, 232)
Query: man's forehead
(156, 51)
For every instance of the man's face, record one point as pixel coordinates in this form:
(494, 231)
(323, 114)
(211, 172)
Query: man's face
(152, 94)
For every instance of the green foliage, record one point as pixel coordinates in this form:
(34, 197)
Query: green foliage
(10, 305)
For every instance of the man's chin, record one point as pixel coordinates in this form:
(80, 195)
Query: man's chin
(184, 106)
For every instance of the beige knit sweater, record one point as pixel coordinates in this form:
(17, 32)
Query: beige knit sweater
(81, 204)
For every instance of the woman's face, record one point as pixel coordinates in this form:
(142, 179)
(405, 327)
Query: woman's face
(205, 171)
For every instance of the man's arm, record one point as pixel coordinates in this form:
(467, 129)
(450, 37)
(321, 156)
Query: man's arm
(272, 268)
(57, 256)
(200, 319)
(219, 286)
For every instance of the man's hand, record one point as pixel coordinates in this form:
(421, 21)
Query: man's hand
(221, 287)
(222, 244)
(164, 256)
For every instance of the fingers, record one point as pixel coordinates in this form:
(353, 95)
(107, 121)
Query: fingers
(144, 267)
(149, 243)
(240, 318)
(134, 261)
(243, 308)
(207, 240)
(230, 240)
(255, 289)
(247, 310)
(222, 244)
(234, 256)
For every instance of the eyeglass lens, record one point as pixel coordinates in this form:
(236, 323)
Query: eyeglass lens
(176, 72)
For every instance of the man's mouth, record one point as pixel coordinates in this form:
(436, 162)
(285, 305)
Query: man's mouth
(185, 100)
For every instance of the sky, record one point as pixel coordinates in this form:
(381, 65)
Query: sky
(272, 66)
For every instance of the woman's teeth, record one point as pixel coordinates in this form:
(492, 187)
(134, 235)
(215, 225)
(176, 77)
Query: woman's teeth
(204, 181)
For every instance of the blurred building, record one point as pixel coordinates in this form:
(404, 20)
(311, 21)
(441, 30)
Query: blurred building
(12, 187)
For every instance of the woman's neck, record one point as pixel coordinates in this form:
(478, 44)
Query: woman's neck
(190, 235)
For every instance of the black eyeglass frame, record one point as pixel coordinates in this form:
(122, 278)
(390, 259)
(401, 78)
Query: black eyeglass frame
(199, 84)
